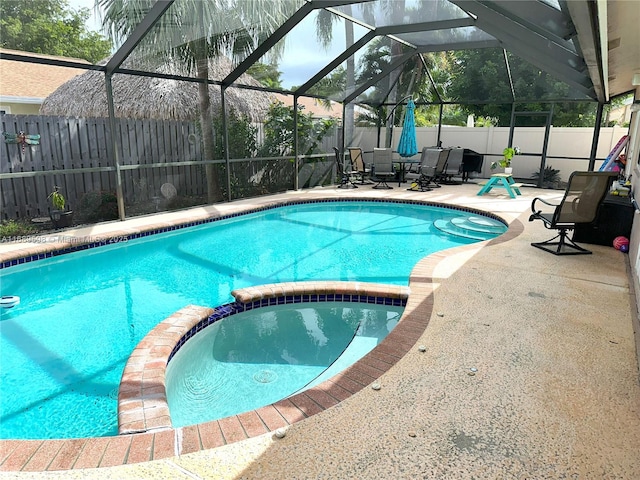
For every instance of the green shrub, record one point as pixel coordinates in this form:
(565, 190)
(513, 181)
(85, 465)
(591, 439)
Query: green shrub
(97, 206)
(16, 228)
(242, 136)
(550, 179)
(279, 128)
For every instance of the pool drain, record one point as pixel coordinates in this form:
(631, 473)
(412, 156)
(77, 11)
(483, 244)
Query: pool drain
(265, 376)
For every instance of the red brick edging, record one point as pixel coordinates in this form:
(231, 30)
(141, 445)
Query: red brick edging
(142, 400)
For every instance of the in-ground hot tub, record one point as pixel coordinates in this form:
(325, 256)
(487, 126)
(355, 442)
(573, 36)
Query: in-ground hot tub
(213, 348)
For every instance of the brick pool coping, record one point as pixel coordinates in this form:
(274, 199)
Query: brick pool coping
(142, 398)
(68, 454)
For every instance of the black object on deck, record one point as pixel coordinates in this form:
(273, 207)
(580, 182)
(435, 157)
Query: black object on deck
(471, 162)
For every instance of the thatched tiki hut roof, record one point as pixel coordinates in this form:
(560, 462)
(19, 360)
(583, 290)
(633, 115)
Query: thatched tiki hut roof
(153, 98)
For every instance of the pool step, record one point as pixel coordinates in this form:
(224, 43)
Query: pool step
(480, 224)
(474, 227)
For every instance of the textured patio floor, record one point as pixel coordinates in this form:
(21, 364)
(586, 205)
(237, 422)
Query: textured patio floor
(554, 394)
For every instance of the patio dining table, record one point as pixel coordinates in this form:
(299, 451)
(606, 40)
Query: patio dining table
(403, 162)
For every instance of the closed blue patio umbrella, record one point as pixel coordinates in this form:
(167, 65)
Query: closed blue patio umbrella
(407, 146)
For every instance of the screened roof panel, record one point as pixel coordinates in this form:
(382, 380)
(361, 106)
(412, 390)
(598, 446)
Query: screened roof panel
(444, 37)
(309, 43)
(321, 32)
(367, 61)
(478, 75)
(532, 84)
(535, 33)
(379, 59)
(311, 38)
(545, 20)
(393, 87)
(193, 29)
(382, 13)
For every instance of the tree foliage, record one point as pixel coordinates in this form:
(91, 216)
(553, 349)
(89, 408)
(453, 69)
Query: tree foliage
(279, 131)
(470, 82)
(334, 84)
(267, 74)
(50, 27)
(242, 136)
(481, 76)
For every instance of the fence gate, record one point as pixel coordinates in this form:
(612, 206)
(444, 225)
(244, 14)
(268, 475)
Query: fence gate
(545, 143)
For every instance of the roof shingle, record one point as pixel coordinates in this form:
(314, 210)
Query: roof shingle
(20, 79)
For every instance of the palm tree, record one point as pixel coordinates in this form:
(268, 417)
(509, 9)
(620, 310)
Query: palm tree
(324, 29)
(193, 31)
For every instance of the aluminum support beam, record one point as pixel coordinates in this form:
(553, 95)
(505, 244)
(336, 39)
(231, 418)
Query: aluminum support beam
(269, 43)
(151, 18)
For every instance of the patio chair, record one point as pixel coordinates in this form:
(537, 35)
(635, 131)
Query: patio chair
(425, 172)
(441, 164)
(585, 191)
(358, 165)
(346, 180)
(453, 166)
(383, 167)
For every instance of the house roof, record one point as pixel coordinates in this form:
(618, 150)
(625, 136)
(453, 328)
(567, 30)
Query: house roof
(33, 80)
(313, 106)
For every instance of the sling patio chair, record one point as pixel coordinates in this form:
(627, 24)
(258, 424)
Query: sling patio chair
(425, 173)
(345, 175)
(453, 166)
(382, 167)
(441, 164)
(358, 165)
(585, 191)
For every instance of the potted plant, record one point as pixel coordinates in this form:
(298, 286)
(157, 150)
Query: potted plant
(507, 154)
(60, 218)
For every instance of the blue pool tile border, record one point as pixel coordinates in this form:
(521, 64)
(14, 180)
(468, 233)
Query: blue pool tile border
(195, 223)
(233, 308)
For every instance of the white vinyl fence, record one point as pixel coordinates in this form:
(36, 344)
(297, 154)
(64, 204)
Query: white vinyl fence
(569, 148)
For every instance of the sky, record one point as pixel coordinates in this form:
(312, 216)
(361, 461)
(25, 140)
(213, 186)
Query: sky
(94, 22)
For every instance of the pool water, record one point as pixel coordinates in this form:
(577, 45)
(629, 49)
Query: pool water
(64, 347)
(258, 357)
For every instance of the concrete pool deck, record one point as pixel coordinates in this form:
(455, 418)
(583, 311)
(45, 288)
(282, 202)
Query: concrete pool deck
(554, 394)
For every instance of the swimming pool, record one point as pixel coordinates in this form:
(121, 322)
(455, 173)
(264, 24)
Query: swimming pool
(82, 314)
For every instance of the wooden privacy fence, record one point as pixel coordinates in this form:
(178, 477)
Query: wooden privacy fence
(151, 153)
(82, 148)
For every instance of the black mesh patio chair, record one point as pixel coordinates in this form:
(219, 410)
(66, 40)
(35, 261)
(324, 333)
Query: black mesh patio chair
(585, 191)
(345, 176)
